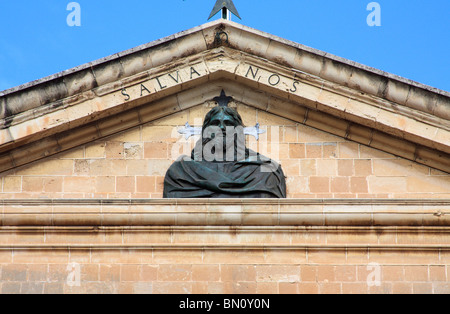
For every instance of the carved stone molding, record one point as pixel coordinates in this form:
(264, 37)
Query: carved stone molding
(241, 212)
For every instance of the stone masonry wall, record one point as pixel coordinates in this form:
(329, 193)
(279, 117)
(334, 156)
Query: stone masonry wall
(191, 272)
(132, 164)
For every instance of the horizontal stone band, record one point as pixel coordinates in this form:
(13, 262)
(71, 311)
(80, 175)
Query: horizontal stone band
(289, 212)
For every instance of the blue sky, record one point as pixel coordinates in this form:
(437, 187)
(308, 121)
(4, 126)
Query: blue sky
(413, 40)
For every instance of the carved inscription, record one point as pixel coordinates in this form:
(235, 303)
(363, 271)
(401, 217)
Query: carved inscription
(273, 79)
(192, 72)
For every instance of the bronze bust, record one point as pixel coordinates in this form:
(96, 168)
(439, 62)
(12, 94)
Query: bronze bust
(221, 166)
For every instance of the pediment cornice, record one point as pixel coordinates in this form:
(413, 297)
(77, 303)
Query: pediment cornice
(259, 70)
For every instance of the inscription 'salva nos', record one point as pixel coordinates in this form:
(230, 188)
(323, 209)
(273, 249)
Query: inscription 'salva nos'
(186, 74)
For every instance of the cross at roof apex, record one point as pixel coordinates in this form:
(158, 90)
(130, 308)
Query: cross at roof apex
(227, 7)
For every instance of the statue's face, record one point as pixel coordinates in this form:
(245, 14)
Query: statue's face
(223, 120)
(223, 138)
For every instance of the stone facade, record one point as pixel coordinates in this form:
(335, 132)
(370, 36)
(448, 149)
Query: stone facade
(83, 156)
(132, 164)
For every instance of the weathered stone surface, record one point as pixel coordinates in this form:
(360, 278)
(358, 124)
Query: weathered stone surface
(108, 72)
(53, 91)
(23, 101)
(80, 81)
(3, 111)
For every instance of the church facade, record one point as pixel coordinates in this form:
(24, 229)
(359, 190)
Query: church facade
(84, 153)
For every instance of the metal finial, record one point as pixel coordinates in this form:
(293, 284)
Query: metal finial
(223, 100)
(226, 6)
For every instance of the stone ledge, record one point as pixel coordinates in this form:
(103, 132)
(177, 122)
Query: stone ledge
(236, 212)
(226, 247)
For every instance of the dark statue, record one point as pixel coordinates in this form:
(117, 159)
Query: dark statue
(220, 165)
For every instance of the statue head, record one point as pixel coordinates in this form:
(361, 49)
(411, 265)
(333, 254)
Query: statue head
(223, 136)
(222, 117)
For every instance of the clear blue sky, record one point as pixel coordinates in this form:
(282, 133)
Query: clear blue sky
(413, 40)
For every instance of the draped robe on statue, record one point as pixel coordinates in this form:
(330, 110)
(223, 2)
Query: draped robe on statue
(238, 179)
(221, 166)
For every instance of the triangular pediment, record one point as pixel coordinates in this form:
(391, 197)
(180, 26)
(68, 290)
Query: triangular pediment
(275, 76)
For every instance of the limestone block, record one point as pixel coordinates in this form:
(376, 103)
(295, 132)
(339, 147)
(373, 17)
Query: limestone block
(108, 72)
(391, 123)
(442, 136)
(311, 217)
(359, 134)
(77, 215)
(421, 99)
(3, 112)
(22, 101)
(338, 215)
(349, 150)
(222, 67)
(48, 168)
(367, 82)
(399, 219)
(397, 168)
(387, 184)
(190, 45)
(164, 53)
(136, 62)
(308, 62)
(79, 136)
(84, 112)
(281, 53)
(286, 109)
(159, 109)
(5, 136)
(327, 123)
(393, 145)
(304, 93)
(158, 167)
(256, 99)
(26, 215)
(95, 150)
(80, 81)
(28, 128)
(126, 120)
(5, 162)
(224, 214)
(325, 167)
(442, 108)
(336, 72)
(53, 91)
(12, 184)
(397, 92)
(425, 134)
(361, 112)
(250, 43)
(192, 97)
(428, 184)
(333, 103)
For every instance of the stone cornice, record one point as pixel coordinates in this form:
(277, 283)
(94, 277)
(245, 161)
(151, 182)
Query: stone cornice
(208, 35)
(283, 213)
(227, 247)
